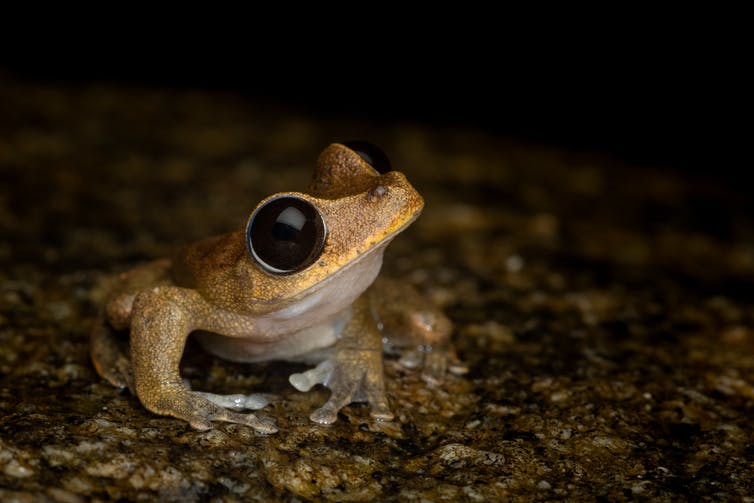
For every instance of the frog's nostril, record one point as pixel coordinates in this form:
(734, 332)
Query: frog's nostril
(377, 193)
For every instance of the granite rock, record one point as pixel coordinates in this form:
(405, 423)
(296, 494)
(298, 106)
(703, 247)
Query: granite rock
(604, 310)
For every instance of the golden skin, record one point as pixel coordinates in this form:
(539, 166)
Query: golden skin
(326, 313)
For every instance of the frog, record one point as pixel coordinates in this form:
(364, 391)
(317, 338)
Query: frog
(297, 283)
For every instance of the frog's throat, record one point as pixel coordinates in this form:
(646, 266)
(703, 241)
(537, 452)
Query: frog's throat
(361, 283)
(377, 248)
(325, 300)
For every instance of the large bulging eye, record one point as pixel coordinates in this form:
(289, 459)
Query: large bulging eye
(286, 234)
(372, 155)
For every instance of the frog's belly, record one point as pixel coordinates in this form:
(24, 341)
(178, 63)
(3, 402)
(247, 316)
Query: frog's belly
(305, 345)
(296, 330)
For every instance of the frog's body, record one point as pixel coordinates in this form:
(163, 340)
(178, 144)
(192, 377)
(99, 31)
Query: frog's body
(319, 309)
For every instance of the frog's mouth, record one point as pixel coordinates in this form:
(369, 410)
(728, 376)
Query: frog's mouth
(377, 246)
(339, 289)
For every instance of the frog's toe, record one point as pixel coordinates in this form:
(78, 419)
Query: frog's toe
(382, 412)
(458, 368)
(435, 366)
(199, 412)
(373, 387)
(239, 401)
(118, 374)
(328, 413)
(411, 359)
(200, 423)
(342, 393)
(455, 365)
(114, 374)
(320, 374)
(259, 423)
(111, 363)
(435, 363)
(324, 415)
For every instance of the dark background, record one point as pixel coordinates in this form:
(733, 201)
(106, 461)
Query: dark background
(677, 105)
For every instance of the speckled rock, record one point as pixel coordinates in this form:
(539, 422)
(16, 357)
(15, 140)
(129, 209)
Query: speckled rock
(605, 312)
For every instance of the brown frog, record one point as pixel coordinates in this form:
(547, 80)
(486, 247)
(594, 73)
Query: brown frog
(298, 284)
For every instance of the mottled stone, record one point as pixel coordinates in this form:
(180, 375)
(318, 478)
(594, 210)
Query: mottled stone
(605, 312)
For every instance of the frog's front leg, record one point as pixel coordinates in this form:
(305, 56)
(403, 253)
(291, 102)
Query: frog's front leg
(161, 321)
(354, 371)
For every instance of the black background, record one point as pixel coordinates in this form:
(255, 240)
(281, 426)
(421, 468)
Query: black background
(672, 100)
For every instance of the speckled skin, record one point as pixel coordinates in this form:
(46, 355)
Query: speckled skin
(325, 314)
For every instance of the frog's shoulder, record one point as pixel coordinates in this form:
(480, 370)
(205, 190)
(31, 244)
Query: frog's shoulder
(201, 263)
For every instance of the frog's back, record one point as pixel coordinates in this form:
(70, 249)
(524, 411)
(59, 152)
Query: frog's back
(204, 262)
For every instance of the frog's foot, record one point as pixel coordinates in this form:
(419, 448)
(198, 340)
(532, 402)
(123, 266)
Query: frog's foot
(434, 362)
(116, 370)
(194, 408)
(237, 402)
(353, 375)
(109, 358)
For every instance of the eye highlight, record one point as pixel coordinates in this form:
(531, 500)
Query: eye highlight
(286, 234)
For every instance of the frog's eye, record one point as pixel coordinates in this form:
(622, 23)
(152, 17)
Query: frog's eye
(286, 234)
(372, 155)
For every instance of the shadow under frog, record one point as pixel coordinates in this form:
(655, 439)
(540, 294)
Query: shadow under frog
(298, 283)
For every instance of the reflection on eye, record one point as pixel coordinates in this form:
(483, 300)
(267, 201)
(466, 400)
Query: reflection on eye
(288, 223)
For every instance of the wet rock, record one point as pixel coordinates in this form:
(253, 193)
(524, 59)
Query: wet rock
(604, 310)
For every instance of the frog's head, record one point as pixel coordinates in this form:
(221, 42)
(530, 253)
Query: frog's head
(356, 204)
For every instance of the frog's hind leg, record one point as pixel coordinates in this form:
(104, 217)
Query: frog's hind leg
(109, 355)
(109, 351)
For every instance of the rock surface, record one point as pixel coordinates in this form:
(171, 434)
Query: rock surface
(605, 312)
